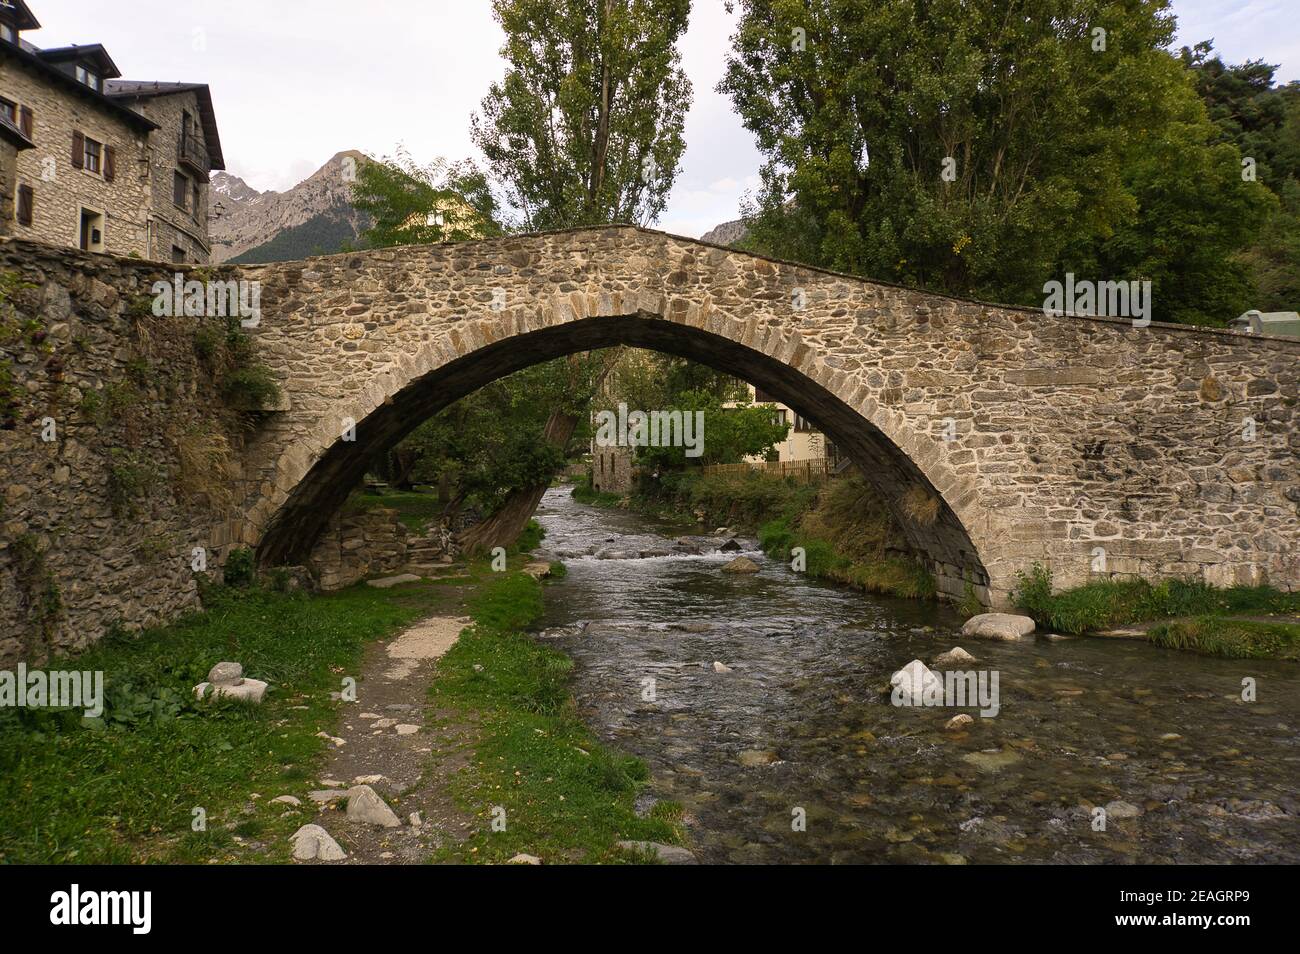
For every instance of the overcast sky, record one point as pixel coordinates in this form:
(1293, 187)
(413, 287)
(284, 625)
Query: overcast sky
(296, 81)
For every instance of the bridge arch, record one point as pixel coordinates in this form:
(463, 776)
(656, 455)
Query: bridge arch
(892, 455)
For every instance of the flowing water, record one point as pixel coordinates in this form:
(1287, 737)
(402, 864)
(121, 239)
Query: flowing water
(796, 755)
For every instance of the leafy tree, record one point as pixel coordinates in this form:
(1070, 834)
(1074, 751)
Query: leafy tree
(732, 431)
(984, 147)
(412, 204)
(586, 126)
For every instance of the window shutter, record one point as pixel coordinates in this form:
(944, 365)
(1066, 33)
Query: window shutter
(78, 150)
(110, 163)
(25, 123)
(24, 205)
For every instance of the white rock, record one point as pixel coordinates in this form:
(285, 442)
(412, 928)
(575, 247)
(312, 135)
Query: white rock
(720, 667)
(958, 722)
(312, 842)
(334, 740)
(415, 820)
(226, 674)
(538, 570)
(367, 779)
(286, 800)
(953, 657)
(523, 859)
(388, 581)
(998, 626)
(323, 796)
(912, 681)
(365, 806)
(246, 690)
(407, 729)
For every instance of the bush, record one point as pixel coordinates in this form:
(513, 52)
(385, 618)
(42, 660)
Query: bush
(249, 388)
(240, 568)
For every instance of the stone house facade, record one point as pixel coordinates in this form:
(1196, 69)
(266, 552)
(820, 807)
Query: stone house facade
(116, 166)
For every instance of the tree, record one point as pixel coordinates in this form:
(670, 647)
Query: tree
(586, 126)
(984, 147)
(412, 204)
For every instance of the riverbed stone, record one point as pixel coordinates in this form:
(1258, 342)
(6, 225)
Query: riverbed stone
(912, 682)
(741, 565)
(958, 722)
(1004, 626)
(314, 843)
(721, 667)
(953, 658)
(1122, 809)
(366, 807)
(992, 762)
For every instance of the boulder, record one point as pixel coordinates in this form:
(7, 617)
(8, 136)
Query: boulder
(1004, 626)
(741, 565)
(226, 674)
(667, 854)
(523, 859)
(731, 546)
(910, 684)
(313, 843)
(226, 679)
(365, 806)
(953, 658)
(958, 722)
(721, 667)
(538, 570)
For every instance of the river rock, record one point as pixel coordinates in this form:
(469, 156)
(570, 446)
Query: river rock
(365, 806)
(1003, 626)
(667, 854)
(990, 762)
(523, 859)
(953, 657)
(731, 546)
(958, 722)
(752, 758)
(1122, 809)
(538, 570)
(912, 682)
(720, 667)
(741, 565)
(313, 843)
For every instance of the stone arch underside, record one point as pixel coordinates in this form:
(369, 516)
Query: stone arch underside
(945, 545)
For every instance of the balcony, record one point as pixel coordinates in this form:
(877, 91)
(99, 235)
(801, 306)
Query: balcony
(190, 152)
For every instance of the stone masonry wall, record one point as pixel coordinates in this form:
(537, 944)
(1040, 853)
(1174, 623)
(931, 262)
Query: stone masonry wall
(356, 545)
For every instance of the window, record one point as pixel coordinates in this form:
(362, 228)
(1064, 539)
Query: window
(87, 78)
(92, 230)
(94, 152)
(194, 199)
(180, 187)
(178, 255)
(26, 200)
(9, 110)
(8, 33)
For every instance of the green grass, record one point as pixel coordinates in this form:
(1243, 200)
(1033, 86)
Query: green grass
(583, 493)
(123, 790)
(1230, 638)
(416, 509)
(1105, 604)
(566, 797)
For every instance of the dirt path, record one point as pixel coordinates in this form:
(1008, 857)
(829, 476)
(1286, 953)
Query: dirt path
(387, 739)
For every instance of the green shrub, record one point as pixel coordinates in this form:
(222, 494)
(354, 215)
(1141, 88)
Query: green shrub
(250, 388)
(240, 569)
(131, 476)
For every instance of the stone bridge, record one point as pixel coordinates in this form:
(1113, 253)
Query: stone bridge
(1000, 436)
(1041, 438)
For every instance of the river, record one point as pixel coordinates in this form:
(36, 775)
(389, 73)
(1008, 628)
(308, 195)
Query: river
(796, 755)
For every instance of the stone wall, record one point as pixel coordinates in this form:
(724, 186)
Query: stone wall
(611, 469)
(98, 524)
(357, 544)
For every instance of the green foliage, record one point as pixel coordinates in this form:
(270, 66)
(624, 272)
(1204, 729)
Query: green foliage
(132, 475)
(584, 493)
(531, 537)
(410, 204)
(41, 594)
(1229, 638)
(240, 568)
(250, 388)
(1103, 604)
(586, 126)
(729, 434)
(1042, 129)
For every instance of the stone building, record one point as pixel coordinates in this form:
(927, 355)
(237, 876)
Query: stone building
(116, 166)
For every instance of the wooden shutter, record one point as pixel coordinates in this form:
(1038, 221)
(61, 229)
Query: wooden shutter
(25, 123)
(24, 205)
(78, 150)
(110, 163)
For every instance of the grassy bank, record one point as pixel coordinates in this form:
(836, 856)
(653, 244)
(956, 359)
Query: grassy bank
(843, 527)
(566, 797)
(1192, 615)
(123, 789)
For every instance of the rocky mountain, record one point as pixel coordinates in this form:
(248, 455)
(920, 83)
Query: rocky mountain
(728, 233)
(313, 217)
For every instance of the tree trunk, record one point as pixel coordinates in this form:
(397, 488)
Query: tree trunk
(504, 526)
